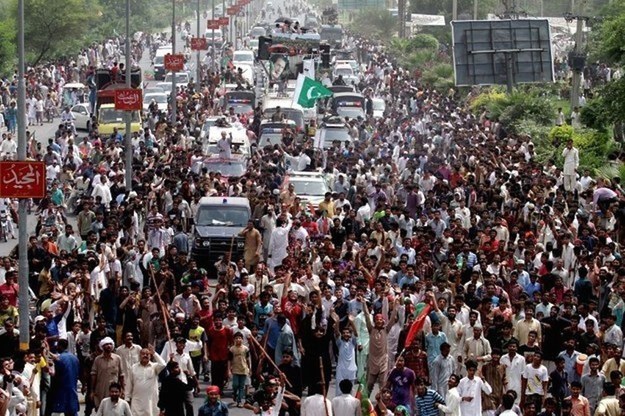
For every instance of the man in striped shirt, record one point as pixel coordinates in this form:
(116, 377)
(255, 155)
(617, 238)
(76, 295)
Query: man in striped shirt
(427, 399)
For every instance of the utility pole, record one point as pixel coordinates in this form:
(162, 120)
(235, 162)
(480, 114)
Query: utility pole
(174, 101)
(454, 10)
(213, 39)
(578, 54)
(199, 64)
(475, 9)
(22, 144)
(401, 17)
(128, 149)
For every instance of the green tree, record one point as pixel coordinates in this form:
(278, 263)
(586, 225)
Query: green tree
(55, 27)
(377, 23)
(8, 40)
(465, 7)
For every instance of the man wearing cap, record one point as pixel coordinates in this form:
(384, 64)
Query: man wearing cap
(477, 347)
(213, 405)
(142, 385)
(187, 373)
(106, 369)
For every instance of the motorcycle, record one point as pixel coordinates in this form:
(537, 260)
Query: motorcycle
(4, 225)
(49, 112)
(69, 127)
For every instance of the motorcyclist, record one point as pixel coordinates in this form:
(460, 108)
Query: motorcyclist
(67, 118)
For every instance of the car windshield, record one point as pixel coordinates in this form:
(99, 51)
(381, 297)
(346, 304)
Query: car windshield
(243, 57)
(216, 215)
(159, 60)
(309, 187)
(242, 108)
(273, 127)
(351, 112)
(269, 139)
(159, 98)
(343, 71)
(290, 114)
(166, 86)
(340, 134)
(226, 168)
(208, 124)
(110, 115)
(179, 78)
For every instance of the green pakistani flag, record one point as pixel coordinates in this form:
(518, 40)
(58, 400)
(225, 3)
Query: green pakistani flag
(310, 92)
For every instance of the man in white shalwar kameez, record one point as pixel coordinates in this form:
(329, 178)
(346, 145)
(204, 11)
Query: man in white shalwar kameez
(278, 244)
(452, 398)
(571, 163)
(470, 389)
(142, 385)
(316, 404)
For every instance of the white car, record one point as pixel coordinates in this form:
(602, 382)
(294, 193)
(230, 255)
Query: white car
(165, 86)
(331, 134)
(160, 98)
(253, 45)
(182, 78)
(208, 123)
(152, 89)
(243, 57)
(379, 107)
(351, 62)
(247, 72)
(347, 72)
(257, 31)
(82, 116)
(218, 39)
(311, 187)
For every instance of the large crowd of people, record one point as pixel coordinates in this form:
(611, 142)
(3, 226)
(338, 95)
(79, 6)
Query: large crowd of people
(448, 271)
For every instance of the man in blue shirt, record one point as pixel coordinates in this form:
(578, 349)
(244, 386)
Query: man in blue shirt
(433, 341)
(533, 286)
(426, 399)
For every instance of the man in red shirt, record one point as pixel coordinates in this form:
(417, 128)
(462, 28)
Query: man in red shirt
(10, 289)
(219, 342)
(292, 308)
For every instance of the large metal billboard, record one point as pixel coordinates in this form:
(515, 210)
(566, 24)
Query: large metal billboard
(488, 52)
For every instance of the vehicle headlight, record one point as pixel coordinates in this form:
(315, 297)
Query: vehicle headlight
(240, 244)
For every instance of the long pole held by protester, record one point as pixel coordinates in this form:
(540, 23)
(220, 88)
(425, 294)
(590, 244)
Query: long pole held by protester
(323, 386)
(273, 363)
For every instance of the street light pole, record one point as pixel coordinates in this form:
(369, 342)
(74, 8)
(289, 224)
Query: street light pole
(128, 113)
(199, 65)
(22, 144)
(174, 102)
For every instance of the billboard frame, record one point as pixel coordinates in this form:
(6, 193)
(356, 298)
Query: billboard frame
(467, 52)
